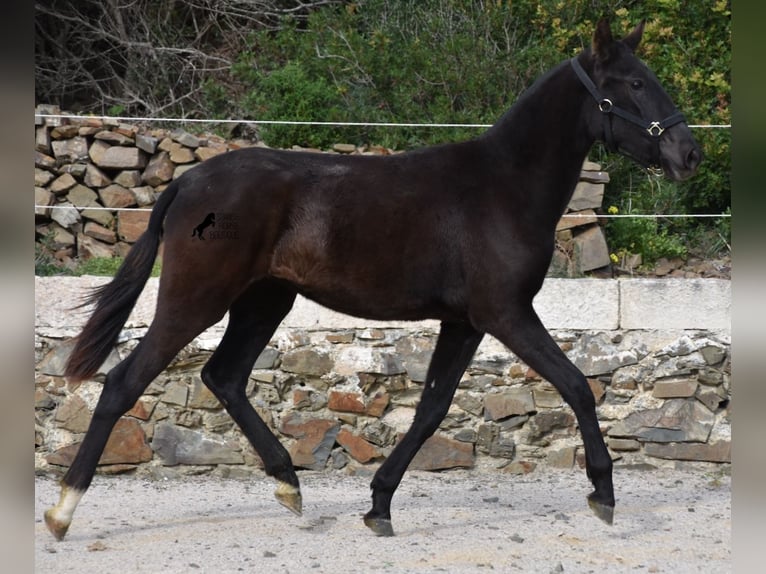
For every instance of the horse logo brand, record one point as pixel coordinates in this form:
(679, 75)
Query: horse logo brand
(207, 222)
(223, 226)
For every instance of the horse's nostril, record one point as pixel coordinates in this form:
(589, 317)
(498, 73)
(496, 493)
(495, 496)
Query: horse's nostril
(693, 158)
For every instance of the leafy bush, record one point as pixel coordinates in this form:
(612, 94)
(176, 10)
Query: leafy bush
(45, 263)
(644, 236)
(377, 61)
(104, 266)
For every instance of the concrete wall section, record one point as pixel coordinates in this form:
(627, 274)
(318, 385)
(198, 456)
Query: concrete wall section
(583, 304)
(675, 303)
(579, 304)
(561, 304)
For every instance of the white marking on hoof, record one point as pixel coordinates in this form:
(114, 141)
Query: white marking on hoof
(290, 497)
(58, 518)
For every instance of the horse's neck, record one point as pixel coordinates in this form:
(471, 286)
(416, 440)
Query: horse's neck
(545, 128)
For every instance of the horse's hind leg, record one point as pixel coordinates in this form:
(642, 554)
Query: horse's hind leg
(123, 387)
(523, 333)
(253, 318)
(454, 350)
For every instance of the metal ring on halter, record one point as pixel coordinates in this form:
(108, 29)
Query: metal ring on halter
(605, 105)
(655, 129)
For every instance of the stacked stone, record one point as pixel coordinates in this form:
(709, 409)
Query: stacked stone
(97, 179)
(580, 242)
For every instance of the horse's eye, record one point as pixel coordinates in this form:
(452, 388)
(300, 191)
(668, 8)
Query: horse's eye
(637, 84)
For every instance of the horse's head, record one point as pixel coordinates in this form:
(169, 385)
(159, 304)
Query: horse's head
(632, 114)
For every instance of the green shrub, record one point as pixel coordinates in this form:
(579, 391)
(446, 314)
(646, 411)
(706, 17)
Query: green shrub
(104, 266)
(645, 237)
(47, 265)
(290, 92)
(107, 266)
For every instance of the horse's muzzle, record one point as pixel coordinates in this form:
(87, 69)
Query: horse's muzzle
(680, 154)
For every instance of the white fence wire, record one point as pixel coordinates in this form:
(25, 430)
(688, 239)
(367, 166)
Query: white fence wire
(295, 122)
(571, 215)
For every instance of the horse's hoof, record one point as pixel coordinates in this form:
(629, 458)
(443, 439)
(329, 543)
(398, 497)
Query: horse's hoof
(380, 526)
(56, 527)
(604, 511)
(289, 496)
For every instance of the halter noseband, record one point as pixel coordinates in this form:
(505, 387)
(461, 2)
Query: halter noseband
(605, 105)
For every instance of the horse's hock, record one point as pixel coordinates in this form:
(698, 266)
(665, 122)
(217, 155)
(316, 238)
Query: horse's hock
(339, 391)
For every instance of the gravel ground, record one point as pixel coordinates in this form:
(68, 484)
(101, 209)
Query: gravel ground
(457, 521)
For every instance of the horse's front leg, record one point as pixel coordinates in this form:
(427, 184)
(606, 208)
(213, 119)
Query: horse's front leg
(455, 348)
(523, 333)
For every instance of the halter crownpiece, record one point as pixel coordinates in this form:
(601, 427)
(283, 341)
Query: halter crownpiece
(606, 106)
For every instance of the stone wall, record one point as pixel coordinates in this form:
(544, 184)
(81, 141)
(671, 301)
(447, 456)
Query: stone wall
(97, 179)
(339, 391)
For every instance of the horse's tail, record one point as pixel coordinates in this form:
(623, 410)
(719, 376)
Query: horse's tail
(115, 300)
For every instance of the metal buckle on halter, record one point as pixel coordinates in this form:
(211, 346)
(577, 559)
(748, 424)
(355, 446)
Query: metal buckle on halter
(605, 105)
(655, 129)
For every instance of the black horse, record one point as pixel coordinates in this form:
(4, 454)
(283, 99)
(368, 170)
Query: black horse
(462, 233)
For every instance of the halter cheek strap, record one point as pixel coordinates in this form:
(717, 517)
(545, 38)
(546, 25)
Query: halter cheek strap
(653, 128)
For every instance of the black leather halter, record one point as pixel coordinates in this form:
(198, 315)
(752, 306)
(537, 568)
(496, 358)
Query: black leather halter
(653, 128)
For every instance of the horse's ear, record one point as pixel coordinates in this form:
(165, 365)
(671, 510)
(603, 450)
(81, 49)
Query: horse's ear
(602, 40)
(634, 38)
